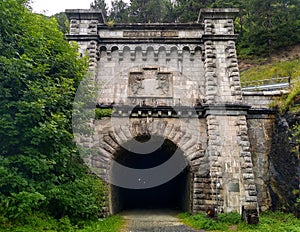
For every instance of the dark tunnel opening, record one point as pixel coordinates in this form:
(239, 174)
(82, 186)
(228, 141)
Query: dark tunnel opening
(174, 194)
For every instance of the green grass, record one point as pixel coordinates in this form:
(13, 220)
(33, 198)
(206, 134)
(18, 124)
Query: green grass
(269, 222)
(199, 221)
(277, 69)
(42, 222)
(111, 224)
(290, 68)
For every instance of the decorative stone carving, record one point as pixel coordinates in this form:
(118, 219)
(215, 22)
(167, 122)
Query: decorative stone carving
(150, 82)
(163, 82)
(136, 82)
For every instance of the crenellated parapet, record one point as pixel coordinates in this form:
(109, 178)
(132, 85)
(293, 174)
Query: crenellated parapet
(158, 51)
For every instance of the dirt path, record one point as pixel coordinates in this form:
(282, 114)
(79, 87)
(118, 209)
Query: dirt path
(153, 221)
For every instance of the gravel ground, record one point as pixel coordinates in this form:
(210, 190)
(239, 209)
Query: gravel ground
(154, 221)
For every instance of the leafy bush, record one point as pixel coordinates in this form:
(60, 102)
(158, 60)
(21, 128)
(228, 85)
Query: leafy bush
(21, 204)
(80, 199)
(40, 167)
(100, 113)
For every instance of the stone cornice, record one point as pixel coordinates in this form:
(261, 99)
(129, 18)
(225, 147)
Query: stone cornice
(173, 41)
(206, 37)
(82, 37)
(217, 13)
(201, 111)
(152, 26)
(263, 113)
(83, 14)
(226, 109)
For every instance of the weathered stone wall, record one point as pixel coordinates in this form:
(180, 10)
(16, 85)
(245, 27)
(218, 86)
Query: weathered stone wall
(260, 134)
(260, 100)
(185, 87)
(172, 65)
(275, 162)
(284, 165)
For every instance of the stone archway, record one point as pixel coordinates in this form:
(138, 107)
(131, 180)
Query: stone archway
(186, 135)
(174, 194)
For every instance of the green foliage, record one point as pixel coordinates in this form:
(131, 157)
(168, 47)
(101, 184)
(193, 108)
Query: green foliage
(263, 27)
(80, 199)
(273, 221)
(119, 11)
(289, 102)
(269, 221)
(188, 10)
(100, 113)
(18, 205)
(100, 5)
(149, 11)
(230, 218)
(199, 221)
(110, 224)
(292, 97)
(63, 22)
(276, 69)
(40, 167)
(43, 222)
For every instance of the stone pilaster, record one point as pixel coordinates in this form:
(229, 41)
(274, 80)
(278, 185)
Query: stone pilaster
(84, 22)
(92, 50)
(83, 29)
(214, 155)
(211, 79)
(250, 195)
(232, 72)
(221, 67)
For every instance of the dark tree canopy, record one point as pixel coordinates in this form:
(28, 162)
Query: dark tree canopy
(119, 11)
(264, 26)
(100, 5)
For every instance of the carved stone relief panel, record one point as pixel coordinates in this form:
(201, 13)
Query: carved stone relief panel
(150, 82)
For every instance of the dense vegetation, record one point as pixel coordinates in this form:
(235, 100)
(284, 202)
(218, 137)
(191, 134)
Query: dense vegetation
(42, 222)
(268, 221)
(263, 26)
(41, 172)
(43, 182)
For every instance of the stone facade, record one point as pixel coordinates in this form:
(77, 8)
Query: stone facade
(180, 82)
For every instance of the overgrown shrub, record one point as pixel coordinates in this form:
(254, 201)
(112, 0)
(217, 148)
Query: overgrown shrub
(80, 199)
(40, 167)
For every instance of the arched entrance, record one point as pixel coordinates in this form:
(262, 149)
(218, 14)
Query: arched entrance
(174, 194)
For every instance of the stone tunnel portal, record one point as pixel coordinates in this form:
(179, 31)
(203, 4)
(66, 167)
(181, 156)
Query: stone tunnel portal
(157, 66)
(174, 194)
